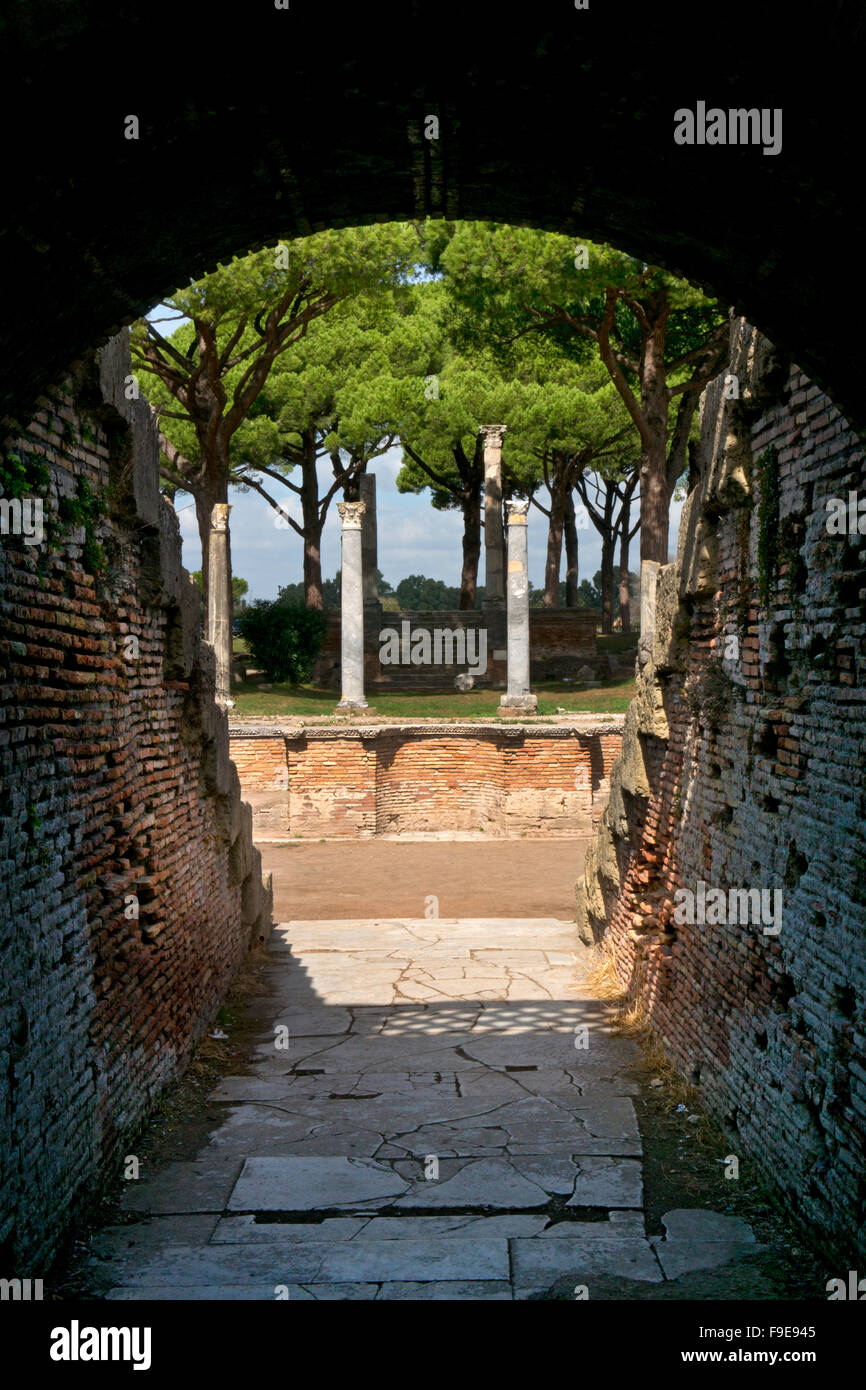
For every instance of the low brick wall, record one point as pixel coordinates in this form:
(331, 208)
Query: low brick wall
(310, 782)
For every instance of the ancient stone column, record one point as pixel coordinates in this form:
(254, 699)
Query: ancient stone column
(219, 607)
(494, 541)
(352, 608)
(369, 546)
(517, 696)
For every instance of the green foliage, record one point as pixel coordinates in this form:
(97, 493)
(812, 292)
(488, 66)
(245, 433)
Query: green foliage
(293, 595)
(240, 587)
(511, 284)
(416, 593)
(283, 639)
(21, 477)
(520, 277)
(24, 474)
(84, 510)
(355, 276)
(547, 402)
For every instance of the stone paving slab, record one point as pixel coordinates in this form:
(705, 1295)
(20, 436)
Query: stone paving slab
(184, 1187)
(322, 1262)
(536, 1264)
(613, 1228)
(416, 1259)
(152, 1233)
(696, 1239)
(305, 1184)
(607, 1182)
(491, 1182)
(245, 1230)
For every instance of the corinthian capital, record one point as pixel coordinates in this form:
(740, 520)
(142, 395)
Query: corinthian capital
(493, 435)
(219, 517)
(517, 511)
(351, 513)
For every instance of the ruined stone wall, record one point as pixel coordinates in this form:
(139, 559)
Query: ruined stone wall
(743, 768)
(130, 886)
(385, 779)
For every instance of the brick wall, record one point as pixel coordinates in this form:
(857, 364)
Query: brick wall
(745, 769)
(118, 797)
(321, 781)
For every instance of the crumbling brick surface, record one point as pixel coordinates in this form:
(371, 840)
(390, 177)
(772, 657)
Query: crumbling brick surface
(130, 887)
(747, 771)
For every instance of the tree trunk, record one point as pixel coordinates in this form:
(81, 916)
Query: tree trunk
(654, 504)
(312, 524)
(471, 508)
(607, 551)
(655, 497)
(554, 551)
(624, 594)
(570, 531)
(203, 509)
(313, 592)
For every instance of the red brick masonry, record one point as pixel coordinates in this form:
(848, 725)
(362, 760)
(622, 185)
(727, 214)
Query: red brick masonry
(311, 782)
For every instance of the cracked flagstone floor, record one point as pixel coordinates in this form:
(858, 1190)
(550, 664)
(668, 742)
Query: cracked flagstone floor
(419, 1120)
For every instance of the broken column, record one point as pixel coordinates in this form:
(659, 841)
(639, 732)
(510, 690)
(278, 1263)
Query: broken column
(352, 608)
(518, 697)
(494, 541)
(219, 603)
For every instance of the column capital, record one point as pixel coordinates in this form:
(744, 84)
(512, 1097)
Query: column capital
(219, 517)
(351, 513)
(493, 434)
(517, 511)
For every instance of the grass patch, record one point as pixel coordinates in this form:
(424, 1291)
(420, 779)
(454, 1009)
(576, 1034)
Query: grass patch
(613, 697)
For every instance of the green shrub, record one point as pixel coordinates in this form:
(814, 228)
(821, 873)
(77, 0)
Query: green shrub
(283, 639)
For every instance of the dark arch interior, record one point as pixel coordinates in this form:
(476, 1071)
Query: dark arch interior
(257, 123)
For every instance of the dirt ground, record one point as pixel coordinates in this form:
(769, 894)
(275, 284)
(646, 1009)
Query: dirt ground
(390, 878)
